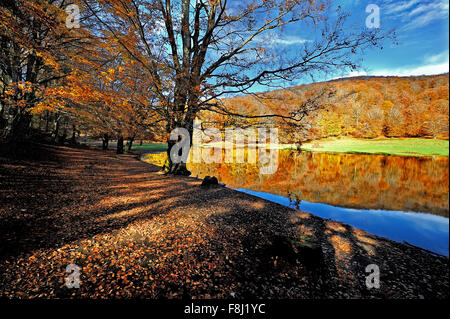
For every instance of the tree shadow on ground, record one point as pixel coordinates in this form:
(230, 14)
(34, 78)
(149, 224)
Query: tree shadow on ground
(182, 240)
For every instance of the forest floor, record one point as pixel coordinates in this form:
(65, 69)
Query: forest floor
(135, 233)
(385, 146)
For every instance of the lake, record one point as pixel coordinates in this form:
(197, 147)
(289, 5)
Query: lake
(397, 197)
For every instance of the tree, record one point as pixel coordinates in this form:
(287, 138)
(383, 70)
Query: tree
(36, 51)
(196, 52)
(394, 122)
(110, 95)
(357, 111)
(361, 108)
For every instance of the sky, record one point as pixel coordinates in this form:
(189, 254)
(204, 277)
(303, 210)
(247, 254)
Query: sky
(422, 28)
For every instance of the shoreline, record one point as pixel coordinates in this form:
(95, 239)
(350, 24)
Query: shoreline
(142, 155)
(390, 147)
(123, 214)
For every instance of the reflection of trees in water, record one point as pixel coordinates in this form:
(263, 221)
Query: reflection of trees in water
(296, 157)
(392, 174)
(372, 178)
(360, 181)
(349, 180)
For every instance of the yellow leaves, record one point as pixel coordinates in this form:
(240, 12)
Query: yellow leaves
(16, 93)
(42, 107)
(19, 88)
(49, 60)
(342, 250)
(387, 105)
(214, 2)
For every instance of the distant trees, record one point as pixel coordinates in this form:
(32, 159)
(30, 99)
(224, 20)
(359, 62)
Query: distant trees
(395, 123)
(369, 108)
(136, 69)
(372, 122)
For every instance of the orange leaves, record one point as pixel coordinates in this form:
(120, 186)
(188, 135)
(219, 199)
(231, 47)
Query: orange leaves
(49, 60)
(342, 249)
(17, 92)
(18, 89)
(335, 227)
(393, 107)
(214, 2)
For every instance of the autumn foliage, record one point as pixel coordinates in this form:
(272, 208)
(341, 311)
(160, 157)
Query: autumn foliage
(143, 68)
(365, 107)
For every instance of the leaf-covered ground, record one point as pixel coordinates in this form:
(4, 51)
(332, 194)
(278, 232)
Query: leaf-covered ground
(138, 234)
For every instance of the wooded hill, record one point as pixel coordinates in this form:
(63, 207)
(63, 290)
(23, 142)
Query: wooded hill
(363, 107)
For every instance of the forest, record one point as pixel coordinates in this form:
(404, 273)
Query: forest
(57, 83)
(127, 70)
(87, 213)
(362, 107)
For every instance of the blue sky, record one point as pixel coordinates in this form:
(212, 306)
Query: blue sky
(422, 28)
(422, 48)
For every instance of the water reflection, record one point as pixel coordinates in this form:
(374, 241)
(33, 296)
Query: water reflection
(420, 229)
(371, 192)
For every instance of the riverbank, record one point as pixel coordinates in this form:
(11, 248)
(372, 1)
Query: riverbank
(136, 233)
(383, 146)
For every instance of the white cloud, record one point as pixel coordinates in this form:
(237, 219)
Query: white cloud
(432, 65)
(425, 14)
(415, 13)
(399, 6)
(272, 39)
(437, 6)
(430, 69)
(437, 58)
(289, 40)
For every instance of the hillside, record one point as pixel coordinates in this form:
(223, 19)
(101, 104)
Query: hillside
(364, 107)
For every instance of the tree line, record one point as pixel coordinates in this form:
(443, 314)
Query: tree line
(368, 107)
(140, 68)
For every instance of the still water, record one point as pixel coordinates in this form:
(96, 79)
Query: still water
(401, 198)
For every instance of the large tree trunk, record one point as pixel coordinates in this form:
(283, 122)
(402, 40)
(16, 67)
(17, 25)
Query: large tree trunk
(56, 130)
(105, 141)
(120, 144)
(47, 120)
(73, 139)
(130, 143)
(174, 168)
(3, 121)
(17, 126)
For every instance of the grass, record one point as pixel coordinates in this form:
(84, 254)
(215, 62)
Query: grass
(393, 146)
(385, 146)
(151, 147)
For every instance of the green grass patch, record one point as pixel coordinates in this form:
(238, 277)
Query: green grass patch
(151, 147)
(392, 146)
